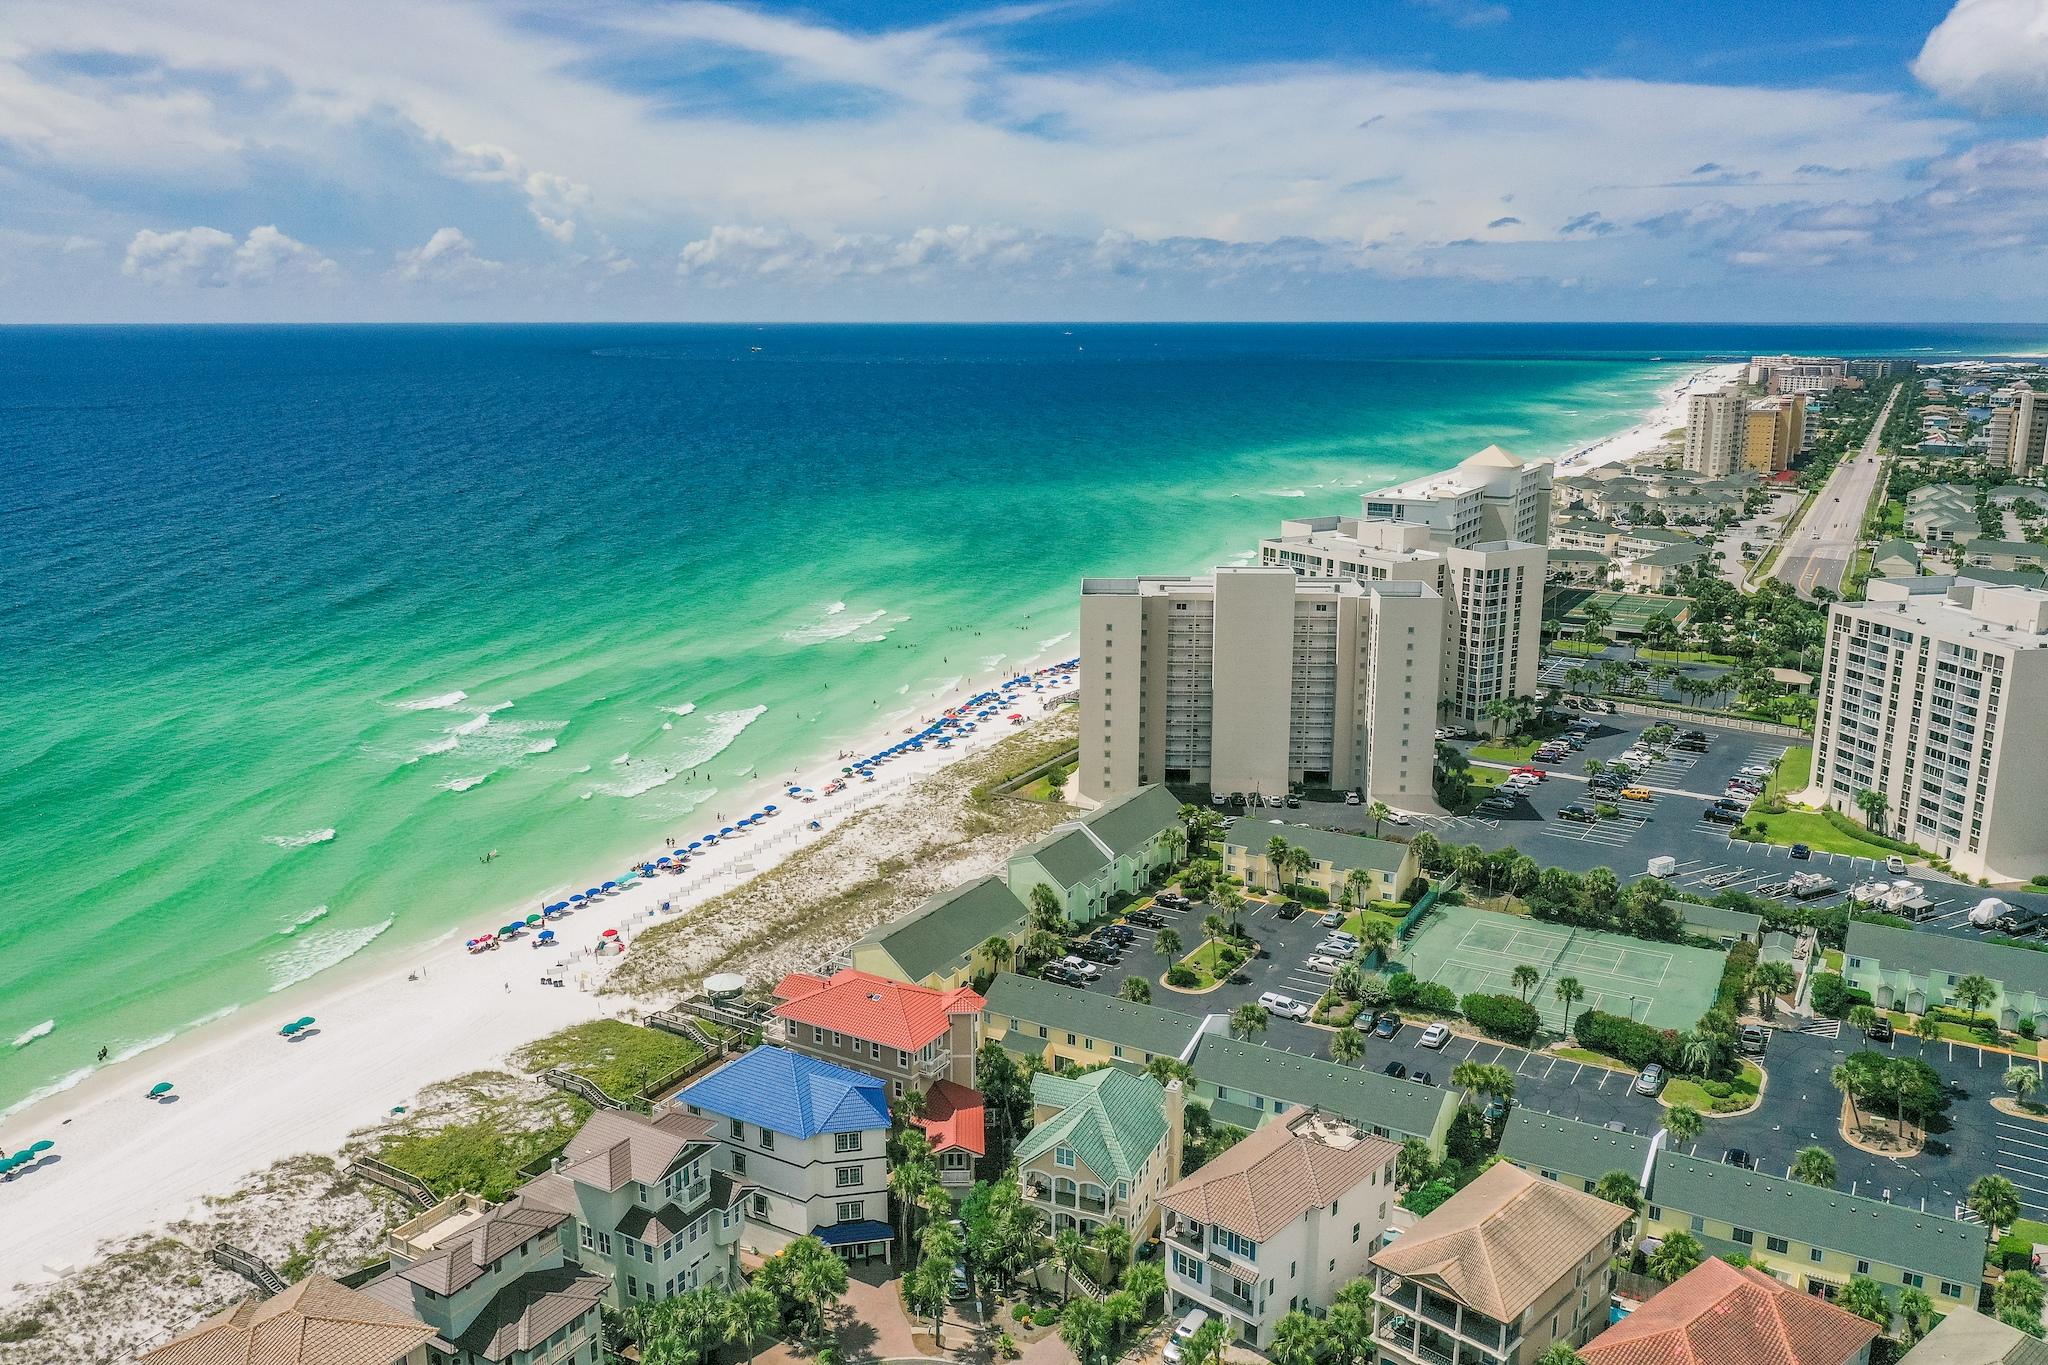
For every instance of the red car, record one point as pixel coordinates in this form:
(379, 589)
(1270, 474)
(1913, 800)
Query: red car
(1529, 770)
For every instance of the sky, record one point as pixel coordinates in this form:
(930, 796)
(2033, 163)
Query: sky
(473, 160)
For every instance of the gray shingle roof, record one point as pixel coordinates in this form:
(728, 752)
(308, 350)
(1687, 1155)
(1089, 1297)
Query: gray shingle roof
(1369, 1098)
(1146, 1028)
(1974, 1339)
(1545, 1142)
(1869, 1229)
(1342, 851)
(1068, 855)
(1128, 823)
(939, 935)
(1714, 917)
(2016, 969)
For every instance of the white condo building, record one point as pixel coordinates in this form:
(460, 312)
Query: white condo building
(1489, 496)
(1931, 695)
(2016, 436)
(1250, 679)
(1714, 431)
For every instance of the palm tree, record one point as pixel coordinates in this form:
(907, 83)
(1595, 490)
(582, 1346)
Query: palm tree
(1770, 980)
(1113, 1240)
(1524, 979)
(1247, 1019)
(1084, 1327)
(1866, 1298)
(1619, 1187)
(908, 1177)
(1066, 1254)
(1214, 926)
(1916, 1314)
(1696, 1049)
(1232, 902)
(1974, 992)
(1683, 1122)
(1873, 804)
(1043, 945)
(1166, 942)
(1377, 812)
(1298, 1339)
(1346, 1046)
(1677, 1257)
(1814, 1166)
(1358, 882)
(1301, 862)
(1046, 911)
(998, 952)
(1994, 1199)
(1569, 992)
(1135, 989)
(1376, 936)
(1863, 1019)
(1849, 1081)
(752, 1317)
(2023, 1081)
(1277, 850)
(1471, 863)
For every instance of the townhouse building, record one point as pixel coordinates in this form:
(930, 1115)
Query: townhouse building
(1115, 849)
(939, 944)
(1906, 969)
(1102, 1148)
(1278, 1223)
(1388, 867)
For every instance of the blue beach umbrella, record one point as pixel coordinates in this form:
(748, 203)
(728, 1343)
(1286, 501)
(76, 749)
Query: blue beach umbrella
(727, 830)
(511, 929)
(696, 843)
(611, 886)
(594, 891)
(43, 1146)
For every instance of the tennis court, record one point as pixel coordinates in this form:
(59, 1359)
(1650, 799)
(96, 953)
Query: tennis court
(1664, 985)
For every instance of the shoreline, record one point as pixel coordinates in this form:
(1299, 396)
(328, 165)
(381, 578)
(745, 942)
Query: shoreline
(1646, 436)
(413, 1015)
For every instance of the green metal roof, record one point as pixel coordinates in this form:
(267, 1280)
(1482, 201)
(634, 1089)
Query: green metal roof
(1342, 851)
(1147, 1028)
(1714, 917)
(1068, 856)
(939, 935)
(1902, 549)
(1128, 823)
(1869, 1229)
(2024, 548)
(1404, 1108)
(2017, 970)
(1571, 556)
(1683, 553)
(1545, 1142)
(1113, 1119)
(2029, 577)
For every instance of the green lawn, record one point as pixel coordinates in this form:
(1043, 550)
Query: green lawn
(1505, 753)
(1743, 1090)
(1795, 771)
(1355, 926)
(1812, 829)
(1578, 646)
(1589, 1057)
(1909, 1025)
(1207, 963)
(1687, 656)
(1832, 958)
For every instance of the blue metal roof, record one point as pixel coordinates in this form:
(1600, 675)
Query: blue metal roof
(854, 1234)
(771, 1087)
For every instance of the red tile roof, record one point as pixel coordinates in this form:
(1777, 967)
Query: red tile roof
(954, 1116)
(872, 1008)
(1719, 1315)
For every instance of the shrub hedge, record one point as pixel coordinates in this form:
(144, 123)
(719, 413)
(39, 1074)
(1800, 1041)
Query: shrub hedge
(1506, 1017)
(1624, 1039)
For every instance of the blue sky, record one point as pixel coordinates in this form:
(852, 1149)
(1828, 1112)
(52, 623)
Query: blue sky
(238, 160)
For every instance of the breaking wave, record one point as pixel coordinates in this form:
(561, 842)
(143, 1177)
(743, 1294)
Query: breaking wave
(315, 953)
(317, 912)
(41, 1030)
(835, 624)
(309, 838)
(440, 703)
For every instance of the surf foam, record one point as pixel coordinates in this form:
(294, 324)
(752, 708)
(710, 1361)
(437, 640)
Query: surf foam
(41, 1030)
(440, 703)
(316, 953)
(836, 624)
(306, 840)
(317, 912)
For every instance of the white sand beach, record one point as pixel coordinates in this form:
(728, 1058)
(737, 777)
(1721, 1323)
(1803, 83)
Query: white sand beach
(1644, 437)
(246, 1097)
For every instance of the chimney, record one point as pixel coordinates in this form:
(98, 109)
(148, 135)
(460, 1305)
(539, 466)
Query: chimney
(1176, 1128)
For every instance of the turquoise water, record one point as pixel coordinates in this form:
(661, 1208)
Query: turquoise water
(298, 624)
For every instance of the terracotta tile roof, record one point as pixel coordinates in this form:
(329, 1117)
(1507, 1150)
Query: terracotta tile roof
(315, 1322)
(874, 1008)
(530, 1310)
(1718, 1315)
(1503, 1240)
(1281, 1171)
(955, 1116)
(615, 1146)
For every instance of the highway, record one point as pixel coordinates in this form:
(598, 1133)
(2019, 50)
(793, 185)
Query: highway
(1819, 552)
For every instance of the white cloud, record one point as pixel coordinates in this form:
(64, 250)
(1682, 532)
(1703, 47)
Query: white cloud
(1990, 55)
(213, 259)
(447, 258)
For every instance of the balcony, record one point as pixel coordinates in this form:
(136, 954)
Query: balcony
(1188, 1235)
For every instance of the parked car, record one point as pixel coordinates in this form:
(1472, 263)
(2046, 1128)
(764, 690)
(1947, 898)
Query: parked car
(1531, 770)
(1422, 1078)
(1895, 865)
(1398, 1070)
(1293, 801)
(1801, 851)
(1756, 770)
(1182, 1331)
(1336, 948)
(1074, 963)
(1323, 963)
(1290, 910)
(1436, 1035)
(1752, 1040)
(1720, 816)
(1579, 813)
(1064, 975)
(1387, 1025)
(1651, 1081)
(1147, 918)
(1881, 1031)
(1730, 803)
(1218, 799)
(957, 1287)
(1399, 817)
(1284, 1006)
(1500, 805)
(1636, 793)
(1351, 798)
(1739, 1157)
(1334, 919)
(1496, 1110)
(1691, 746)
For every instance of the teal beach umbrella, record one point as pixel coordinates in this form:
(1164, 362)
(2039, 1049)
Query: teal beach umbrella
(160, 1088)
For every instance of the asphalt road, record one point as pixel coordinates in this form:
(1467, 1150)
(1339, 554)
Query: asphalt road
(1818, 553)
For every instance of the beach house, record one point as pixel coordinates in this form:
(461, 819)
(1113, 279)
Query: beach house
(498, 1283)
(1717, 1314)
(1388, 866)
(648, 1203)
(1115, 849)
(1279, 1222)
(808, 1139)
(315, 1322)
(1974, 1339)
(1102, 1148)
(1499, 1271)
(939, 943)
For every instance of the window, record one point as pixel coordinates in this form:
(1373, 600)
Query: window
(817, 1034)
(1862, 1267)
(1699, 1224)
(589, 1242)
(1777, 1244)
(767, 1140)
(846, 1142)
(849, 1210)
(1951, 1290)
(902, 1060)
(1063, 1156)
(847, 1176)
(875, 1052)
(739, 1130)
(1745, 1237)
(739, 1163)
(1813, 1253)
(1913, 1278)
(1354, 1232)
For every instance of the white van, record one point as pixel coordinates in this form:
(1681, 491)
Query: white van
(1186, 1328)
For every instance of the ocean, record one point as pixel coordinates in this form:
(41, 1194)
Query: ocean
(299, 625)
